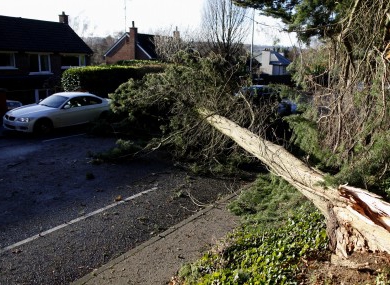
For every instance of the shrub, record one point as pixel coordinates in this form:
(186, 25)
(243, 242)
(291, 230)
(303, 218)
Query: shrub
(102, 80)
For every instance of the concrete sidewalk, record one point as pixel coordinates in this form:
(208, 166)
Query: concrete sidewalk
(157, 260)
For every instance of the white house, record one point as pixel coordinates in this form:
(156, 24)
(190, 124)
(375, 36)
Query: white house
(272, 62)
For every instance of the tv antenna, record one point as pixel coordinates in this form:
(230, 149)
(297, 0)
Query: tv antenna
(125, 15)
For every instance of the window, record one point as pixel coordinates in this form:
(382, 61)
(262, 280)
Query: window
(74, 103)
(93, 101)
(40, 63)
(7, 60)
(72, 60)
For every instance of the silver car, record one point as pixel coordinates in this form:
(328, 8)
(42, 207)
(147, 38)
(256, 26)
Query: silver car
(58, 110)
(11, 104)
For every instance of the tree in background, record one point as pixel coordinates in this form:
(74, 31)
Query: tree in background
(347, 75)
(169, 42)
(224, 28)
(81, 26)
(308, 18)
(99, 45)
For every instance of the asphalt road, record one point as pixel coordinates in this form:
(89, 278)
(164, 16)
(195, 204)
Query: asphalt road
(61, 216)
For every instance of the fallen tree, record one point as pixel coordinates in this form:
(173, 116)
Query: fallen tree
(357, 220)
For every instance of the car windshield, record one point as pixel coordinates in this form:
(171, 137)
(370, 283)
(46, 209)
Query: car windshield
(53, 101)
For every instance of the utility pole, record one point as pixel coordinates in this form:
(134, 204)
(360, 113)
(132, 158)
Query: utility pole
(253, 32)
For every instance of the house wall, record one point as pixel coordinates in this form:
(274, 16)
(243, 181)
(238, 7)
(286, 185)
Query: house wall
(22, 86)
(23, 66)
(128, 49)
(18, 83)
(271, 69)
(265, 60)
(279, 70)
(22, 63)
(55, 60)
(123, 52)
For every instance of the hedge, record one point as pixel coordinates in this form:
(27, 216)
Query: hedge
(102, 80)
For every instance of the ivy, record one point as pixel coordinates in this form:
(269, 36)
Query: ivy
(264, 253)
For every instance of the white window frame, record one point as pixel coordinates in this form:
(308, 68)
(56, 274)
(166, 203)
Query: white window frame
(82, 60)
(12, 57)
(40, 65)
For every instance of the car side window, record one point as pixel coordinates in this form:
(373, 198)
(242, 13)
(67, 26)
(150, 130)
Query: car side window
(84, 101)
(67, 105)
(73, 103)
(93, 101)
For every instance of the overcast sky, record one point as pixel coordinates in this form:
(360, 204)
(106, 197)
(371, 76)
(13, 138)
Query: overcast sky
(109, 17)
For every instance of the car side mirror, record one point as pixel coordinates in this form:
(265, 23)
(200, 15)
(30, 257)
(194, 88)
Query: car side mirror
(66, 107)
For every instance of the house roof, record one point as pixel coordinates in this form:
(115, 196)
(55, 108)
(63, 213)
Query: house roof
(275, 58)
(278, 59)
(19, 34)
(145, 43)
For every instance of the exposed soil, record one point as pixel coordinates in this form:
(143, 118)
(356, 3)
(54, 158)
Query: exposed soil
(360, 268)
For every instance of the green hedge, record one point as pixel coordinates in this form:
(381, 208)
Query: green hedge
(102, 80)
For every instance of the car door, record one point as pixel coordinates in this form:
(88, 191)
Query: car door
(80, 110)
(92, 108)
(73, 112)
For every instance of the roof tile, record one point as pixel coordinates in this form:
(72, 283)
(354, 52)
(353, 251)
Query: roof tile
(19, 34)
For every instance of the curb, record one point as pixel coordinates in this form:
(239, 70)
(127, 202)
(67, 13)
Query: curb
(151, 241)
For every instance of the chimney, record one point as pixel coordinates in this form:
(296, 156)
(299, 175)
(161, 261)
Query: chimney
(133, 41)
(176, 34)
(133, 29)
(64, 18)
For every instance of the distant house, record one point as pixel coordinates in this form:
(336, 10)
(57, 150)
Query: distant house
(272, 62)
(131, 45)
(34, 53)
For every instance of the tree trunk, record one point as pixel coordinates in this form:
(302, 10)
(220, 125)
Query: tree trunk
(357, 220)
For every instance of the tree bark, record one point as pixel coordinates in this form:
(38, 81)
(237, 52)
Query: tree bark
(357, 220)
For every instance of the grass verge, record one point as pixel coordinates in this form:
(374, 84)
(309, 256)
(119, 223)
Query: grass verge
(280, 230)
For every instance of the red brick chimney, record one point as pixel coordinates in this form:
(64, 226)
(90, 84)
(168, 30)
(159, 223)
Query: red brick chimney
(133, 41)
(64, 18)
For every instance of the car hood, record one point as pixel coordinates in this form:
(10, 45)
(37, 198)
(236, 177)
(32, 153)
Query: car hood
(28, 110)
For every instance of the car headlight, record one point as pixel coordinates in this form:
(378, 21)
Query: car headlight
(23, 120)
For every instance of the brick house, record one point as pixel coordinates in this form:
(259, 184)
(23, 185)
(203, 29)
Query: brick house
(131, 45)
(34, 53)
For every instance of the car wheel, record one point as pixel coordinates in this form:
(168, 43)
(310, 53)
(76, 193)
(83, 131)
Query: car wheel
(43, 127)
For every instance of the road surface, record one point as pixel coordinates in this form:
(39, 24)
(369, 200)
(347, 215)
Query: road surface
(62, 215)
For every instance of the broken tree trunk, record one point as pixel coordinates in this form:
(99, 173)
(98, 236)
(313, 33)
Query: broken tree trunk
(357, 220)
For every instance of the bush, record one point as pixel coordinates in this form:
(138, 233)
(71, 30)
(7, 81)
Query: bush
(102, 80)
